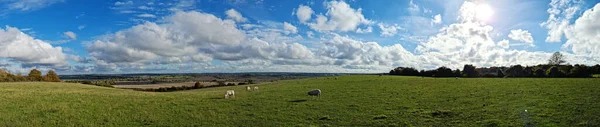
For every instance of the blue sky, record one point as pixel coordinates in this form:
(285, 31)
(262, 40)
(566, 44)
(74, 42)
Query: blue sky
(169, 36)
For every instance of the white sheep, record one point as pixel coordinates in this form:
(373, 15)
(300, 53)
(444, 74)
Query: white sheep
(248, 88)
(255, 88)
(229, 93)
(315, 92)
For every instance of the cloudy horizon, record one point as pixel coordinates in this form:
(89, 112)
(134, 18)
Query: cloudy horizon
(357, 36)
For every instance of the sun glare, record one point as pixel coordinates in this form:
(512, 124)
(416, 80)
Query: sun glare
(484, 12)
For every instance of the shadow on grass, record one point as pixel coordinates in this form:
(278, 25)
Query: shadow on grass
(302, 100)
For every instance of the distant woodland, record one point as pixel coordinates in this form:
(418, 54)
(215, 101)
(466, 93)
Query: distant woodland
(554, 69)
(34, 75)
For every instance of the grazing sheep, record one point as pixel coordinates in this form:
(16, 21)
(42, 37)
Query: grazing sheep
(229, 93)
(335, 78)
(248, 88)
(255, 87)
(315, 92)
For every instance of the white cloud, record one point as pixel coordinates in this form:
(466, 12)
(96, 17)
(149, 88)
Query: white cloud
(70, 34)
(561, 13)
(351, 53)
(21, 47)
(118, 3)
(289, 28)
(180, 36)
(28, 5)
(521, 35)
(503, 44)
(146, 16)
(310, 34)
(469, 42)
(233, 14)
(143, 7)
(413, 8)
(81, 27)
(583, 37)
(389, 30)
(339, 17)
(367, 30)
(304, 13)
(437, 19)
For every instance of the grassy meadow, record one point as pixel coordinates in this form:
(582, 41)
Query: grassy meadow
(356, 100)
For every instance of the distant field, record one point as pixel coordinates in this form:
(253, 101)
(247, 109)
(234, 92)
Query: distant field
(349, 101)
(597, 75)
(146, 86)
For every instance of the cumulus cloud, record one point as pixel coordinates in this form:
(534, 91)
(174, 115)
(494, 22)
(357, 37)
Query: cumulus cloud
(521, 35)
(181, 35)
(289, 28)
(437, 19)
(21, 47)
(389, 30)
(583, 37)
(235, 15)
(304, 13)
(367, 30)
(71, 35)
(469, 42)
(181, 39)
(339, 17)
(561, 13)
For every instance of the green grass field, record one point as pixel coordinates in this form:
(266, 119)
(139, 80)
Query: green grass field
(348, 101)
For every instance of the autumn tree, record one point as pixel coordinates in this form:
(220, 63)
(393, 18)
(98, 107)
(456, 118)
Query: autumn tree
(35, 75)
(556, 59)
(51, 76)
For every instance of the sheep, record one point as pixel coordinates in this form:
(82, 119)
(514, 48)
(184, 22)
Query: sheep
(315, 92)
(229, 93)
(248, 88)
(255, 88)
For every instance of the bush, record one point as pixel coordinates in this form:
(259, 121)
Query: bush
(221, 83)
(197, 85)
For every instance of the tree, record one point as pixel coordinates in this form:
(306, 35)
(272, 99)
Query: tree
(51, 76)
(515, 71)
(35, 75)
(457, 73)
(499, 73)
(556, 59)
(554, 72)
(539, 72)
(469, 71)
(444, 72)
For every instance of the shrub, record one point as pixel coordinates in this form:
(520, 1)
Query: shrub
(197, 85)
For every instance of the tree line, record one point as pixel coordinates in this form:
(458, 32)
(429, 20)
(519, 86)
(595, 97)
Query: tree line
(34, 75)
(553, 69)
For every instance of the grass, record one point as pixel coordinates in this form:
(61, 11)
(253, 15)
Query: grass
(349, 101)
(596, 75)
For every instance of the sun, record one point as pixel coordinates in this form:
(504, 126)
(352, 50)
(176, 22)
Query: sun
(484, 12)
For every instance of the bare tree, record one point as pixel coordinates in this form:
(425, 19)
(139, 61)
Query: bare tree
(556, 59)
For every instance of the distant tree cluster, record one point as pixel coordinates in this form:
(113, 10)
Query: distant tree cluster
(34, 75)
(470, 71)
(553, 69)
(197, 85)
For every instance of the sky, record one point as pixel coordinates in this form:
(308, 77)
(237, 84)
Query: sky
(333, 36)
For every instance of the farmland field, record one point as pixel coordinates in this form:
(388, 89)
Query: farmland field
(356, 100)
